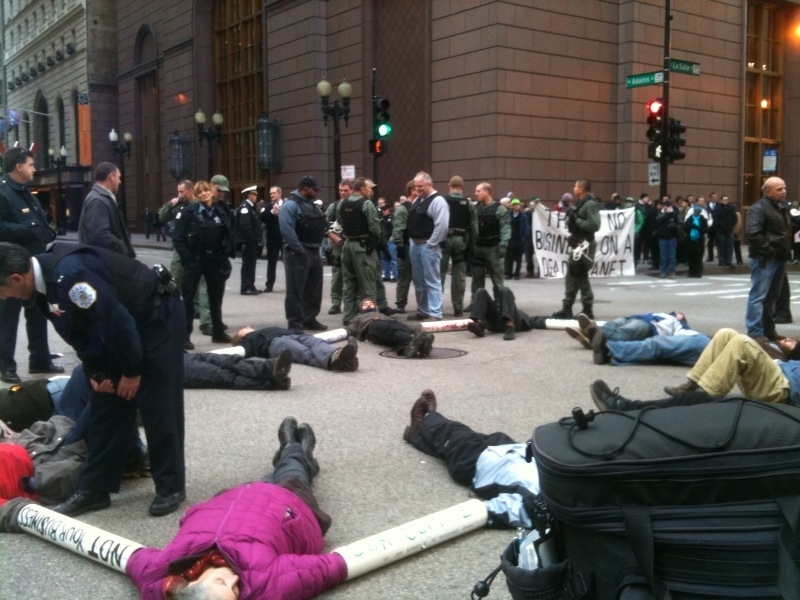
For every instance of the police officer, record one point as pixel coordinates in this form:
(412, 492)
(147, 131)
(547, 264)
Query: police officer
(303, 226)
(248, 232)
(125, 321)
(460, 242)
(23, 222)
(361, 229)
(204, 241)
(494, 231)
(336, 243)
(583, 220)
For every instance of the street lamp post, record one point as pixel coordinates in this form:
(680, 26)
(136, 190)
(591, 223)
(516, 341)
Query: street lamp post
(61, 213)
(209, 133)
(335, 111)
(121, 149)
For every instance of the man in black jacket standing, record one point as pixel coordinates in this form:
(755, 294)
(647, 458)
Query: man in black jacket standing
(770, 240)
(102, 223)
(23, 222)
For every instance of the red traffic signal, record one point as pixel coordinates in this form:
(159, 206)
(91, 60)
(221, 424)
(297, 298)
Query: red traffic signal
(655, 107)
(378, 147)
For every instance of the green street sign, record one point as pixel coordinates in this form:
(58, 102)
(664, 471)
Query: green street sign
(684, 66)
(656, 77)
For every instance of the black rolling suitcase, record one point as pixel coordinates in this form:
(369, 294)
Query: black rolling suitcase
(686, 503)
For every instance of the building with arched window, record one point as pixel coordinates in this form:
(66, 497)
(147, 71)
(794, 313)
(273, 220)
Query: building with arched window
(61, 79)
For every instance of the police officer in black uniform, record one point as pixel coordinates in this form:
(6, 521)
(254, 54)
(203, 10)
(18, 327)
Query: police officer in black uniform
(204, 241)
(125, 321)
(23, 222)
(248, 232)
(302, 227)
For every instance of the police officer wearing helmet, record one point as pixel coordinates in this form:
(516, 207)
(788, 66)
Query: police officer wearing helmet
(248, 231)
(204, 241)
(302, 227)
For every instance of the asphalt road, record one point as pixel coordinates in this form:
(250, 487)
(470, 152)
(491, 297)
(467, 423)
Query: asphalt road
(371, 480)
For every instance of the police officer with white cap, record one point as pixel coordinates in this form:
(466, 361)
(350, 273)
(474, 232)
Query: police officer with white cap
(247, 227)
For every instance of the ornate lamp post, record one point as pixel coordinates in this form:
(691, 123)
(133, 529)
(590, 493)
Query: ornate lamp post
(61, 213)
(121, 149)
(335, 111)
(209, 133)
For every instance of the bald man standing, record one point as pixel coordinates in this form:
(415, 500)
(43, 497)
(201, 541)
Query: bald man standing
(769, 237)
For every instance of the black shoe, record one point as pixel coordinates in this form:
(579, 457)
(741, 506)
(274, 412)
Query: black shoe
(458, 313)
(138, 464)
(188, 345)
(252, 292)
(578, 334)
(306, 438)
(427, 345)
(607, 399)
(344, 358)
(163, 505)
(50, 369)
(281, 367)
(422, 406)
(510, 333)
(207, 329)
(401, 310)
(10, 377)
(414, 345)
(564, 313)
(600, 352)
(385, 279)
(83, 501)
(388, 311)
(417, 317)
(268, 289)
(314, 325)
(334, 310)
(286, 434)
(221, 338)
(477, 327)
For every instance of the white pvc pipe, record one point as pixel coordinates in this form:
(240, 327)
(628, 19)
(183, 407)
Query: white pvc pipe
(394, 544)
(361, 556)
(564, 323)
(92, 542)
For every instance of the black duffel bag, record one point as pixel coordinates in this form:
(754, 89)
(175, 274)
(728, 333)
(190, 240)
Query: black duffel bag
(690, 502)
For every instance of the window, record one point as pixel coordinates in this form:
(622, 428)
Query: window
(239, 92)
(763, 94)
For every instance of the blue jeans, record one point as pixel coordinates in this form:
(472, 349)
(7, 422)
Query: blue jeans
(765, 286)
(389, 260)
(667, 249)
(680, 349)
(626, 329)
(426, 265)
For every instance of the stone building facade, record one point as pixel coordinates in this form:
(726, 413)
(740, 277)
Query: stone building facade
(528, 96)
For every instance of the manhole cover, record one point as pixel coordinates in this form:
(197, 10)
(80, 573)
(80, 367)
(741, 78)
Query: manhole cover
(435, 353)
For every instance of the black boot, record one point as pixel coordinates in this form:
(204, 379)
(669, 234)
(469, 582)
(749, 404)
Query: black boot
(564, 313)
(587, 310)
(308, 441)
(286, 434)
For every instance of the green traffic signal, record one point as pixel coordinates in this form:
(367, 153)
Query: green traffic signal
(384, 129)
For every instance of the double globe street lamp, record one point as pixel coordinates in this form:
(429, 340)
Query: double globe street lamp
(335, 111)
(121, 149)
(209, 133)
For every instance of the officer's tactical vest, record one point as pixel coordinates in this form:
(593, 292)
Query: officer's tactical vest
(420, 225)
(488, 223)
(352, 218)
(459, 212)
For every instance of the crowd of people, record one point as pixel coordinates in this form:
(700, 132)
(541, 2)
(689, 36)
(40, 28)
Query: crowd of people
(130, 325)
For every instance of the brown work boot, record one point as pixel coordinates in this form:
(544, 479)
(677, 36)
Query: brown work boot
(681, 390)
(423, 405)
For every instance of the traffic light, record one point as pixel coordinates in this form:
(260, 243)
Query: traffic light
(381, 123)
(378, 147)
(675, 143)
(655, 129)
